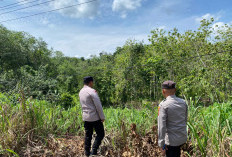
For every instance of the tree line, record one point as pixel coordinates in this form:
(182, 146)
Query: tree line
(198, 60)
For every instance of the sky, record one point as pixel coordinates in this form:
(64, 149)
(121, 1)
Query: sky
(90, 27)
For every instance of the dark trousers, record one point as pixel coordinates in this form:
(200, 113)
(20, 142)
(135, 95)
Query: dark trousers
(99, 129)
(173, 151)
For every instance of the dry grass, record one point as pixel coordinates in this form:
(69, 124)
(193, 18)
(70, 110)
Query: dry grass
(134, 145)
(35, 129)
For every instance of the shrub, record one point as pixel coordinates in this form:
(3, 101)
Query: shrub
(66, 100)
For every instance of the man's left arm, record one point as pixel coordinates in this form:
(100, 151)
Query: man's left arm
(97, 103)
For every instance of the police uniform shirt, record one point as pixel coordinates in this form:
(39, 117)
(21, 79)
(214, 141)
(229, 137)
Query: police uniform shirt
(172, 121)
(91, 105)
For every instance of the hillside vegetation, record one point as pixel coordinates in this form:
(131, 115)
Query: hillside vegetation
(199, 61)
(40, 112)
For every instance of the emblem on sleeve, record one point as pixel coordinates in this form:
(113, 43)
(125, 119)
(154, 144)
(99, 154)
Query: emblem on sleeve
(158, 110)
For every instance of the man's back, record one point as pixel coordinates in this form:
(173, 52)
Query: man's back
(93, 116)
(91, 104)
(173, 112)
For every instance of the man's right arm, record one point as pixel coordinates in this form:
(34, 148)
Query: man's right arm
(162, 126)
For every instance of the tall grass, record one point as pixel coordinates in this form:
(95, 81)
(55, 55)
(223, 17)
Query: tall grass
(22, 122)
(210, 129)
(144, 118)
(25, 121)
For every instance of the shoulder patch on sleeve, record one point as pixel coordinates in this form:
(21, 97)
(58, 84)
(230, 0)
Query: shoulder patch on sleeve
(158, 110)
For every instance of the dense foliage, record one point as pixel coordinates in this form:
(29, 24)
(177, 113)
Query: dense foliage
(199, 61)
(39, 92)
(35, 128)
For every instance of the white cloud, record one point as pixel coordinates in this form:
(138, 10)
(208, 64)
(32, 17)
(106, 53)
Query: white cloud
(123, 6)
(208, 16)
(84, 10)
(85, 45)
(84, 42)
(77, 56)
(124, 15)
(45, 21)
(88, 56)
(162, 27)
(218, 26)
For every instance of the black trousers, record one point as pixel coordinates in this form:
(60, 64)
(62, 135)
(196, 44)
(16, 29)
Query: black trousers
(173, 151)
(99, 129)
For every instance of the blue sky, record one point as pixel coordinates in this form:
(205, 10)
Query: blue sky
(102, 25)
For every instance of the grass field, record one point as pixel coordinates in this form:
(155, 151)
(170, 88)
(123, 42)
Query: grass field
(32, 127)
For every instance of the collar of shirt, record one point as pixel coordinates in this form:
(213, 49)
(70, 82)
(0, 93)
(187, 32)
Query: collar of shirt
(85, 86)
(171, 97)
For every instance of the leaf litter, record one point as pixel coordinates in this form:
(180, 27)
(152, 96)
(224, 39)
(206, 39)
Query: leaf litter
(130, 144)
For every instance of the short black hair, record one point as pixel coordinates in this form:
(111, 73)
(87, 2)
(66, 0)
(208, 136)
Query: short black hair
(168, 85)
(88, 79)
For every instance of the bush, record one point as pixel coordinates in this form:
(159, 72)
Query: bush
(66, 100)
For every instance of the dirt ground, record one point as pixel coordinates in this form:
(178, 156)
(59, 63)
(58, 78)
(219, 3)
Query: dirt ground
(114, 145)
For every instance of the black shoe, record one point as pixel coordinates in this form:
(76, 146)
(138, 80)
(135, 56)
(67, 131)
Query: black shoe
(87, 154)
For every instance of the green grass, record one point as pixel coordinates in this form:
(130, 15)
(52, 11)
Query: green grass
(210, 127)
(144, 118)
